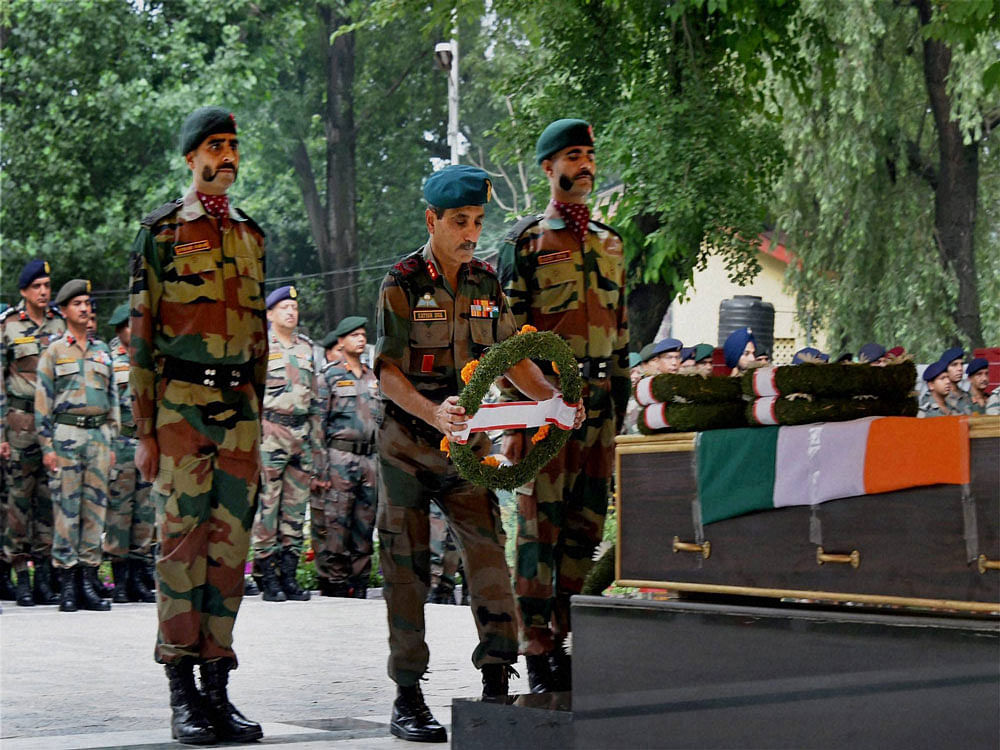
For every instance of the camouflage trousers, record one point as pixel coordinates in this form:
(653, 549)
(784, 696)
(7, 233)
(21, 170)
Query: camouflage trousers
(205, 496)
(131, 517)
(343, 519)
(28, 532)
(412, 473)
(560, 522)
(79, 494)
(284, 490)
(445, 555)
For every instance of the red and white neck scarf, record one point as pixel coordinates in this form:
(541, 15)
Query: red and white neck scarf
(215, 205)
(576, 216)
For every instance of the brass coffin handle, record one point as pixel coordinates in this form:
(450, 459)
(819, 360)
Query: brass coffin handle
(705, 548)
(853, 559)
(985, 563)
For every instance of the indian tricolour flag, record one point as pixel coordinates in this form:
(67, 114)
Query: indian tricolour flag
(740, 471)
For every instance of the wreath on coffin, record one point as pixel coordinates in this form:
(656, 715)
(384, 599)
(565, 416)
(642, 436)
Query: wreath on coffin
(478, 376)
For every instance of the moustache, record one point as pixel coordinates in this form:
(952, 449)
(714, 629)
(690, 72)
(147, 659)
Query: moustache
(208, 175)
(467, 246)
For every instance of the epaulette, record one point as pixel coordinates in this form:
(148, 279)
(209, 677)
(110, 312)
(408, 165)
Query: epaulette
(483, 266)
(161, 213)
(602, 225)
(328, 365)
(518, 229)
(408, 265)
(7, 313)
(305, 338)
(251, 222)
(56, 311)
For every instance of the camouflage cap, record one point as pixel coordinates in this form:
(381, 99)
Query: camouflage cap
(203, 122)
(458, 185)
(72, 288)
(563, 134)
(119, 315)
(32, 270)
(353, 322)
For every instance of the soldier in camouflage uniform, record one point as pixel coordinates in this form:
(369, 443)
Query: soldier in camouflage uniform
(438, 309)
(939, 387)
(445, 559)
(199, 358)
(344, 516)
(77, 417)
(959, 401)
(289, 450)
(7, 590)
(128, 527)
(564, 272)
(25, 331)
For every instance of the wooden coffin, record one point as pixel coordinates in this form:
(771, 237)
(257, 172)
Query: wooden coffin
(930, 547)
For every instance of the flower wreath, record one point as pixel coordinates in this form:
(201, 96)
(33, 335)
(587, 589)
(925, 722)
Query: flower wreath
(478, 375)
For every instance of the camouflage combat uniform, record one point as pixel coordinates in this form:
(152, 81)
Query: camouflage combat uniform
(129, 524)
(199, 353)
(77, 416)
(430, 331)
(289, 447)
(29, 510)
(445, 557)
(555, 283)
(959, 401)
(344, 516)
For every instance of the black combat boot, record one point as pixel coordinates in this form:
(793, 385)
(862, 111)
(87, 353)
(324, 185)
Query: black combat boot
(42, 589)
(89, 598)
(496, 682)
(7, 591)
(23, 592)
(269, 585)
(250, 587)
(442, 594)
(136, 590)
(359, 590)
(188, 722)
(229, 723)
(148, 572)
(336, 588)
(412, 720)
(289, 564)
(539, 673)
(561, 668)
(67, 590)
(120, 572)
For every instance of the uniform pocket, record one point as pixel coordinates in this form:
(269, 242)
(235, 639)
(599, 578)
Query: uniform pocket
(481, 330)
(192, 278)
(557, 288)
(608, 291)
(250, 272)
(435, 334)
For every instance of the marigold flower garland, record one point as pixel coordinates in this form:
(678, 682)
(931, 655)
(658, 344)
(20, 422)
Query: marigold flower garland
(478, 375)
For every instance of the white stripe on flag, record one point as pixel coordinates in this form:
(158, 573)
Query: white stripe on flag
(764, 384)
(644, 391)
(519, 414)
(655, 417)
(763, 410)
(820, 462)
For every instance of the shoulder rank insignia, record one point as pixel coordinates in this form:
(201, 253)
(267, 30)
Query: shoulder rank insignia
(483, 266)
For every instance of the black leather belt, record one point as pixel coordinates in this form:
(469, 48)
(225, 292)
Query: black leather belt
(360, 447)
(21, 404)
(213, 376)
(87, 421)
(288, 420)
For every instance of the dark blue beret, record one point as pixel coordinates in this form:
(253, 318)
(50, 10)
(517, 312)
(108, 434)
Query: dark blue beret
(666, 345)
(563, 134)
(976, 365)
(32, 270)
(280, 295)
(687, 353)
(350, 324)
(871, 352)
(950, 355)
(458, 185)
(811, 353)
(203, 122)
(119, 315)
(934, 369)
(736, 342)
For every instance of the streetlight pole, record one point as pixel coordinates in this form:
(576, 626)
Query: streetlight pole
(446, 55)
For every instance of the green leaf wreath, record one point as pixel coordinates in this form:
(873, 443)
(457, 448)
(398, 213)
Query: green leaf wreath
(529, 344)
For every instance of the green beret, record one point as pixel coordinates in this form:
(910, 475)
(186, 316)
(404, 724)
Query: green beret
(203, 122)
(703, 351)
(353, 322)
(72, 288)
(458, 185)
(563, 134)
(646, 353)
(329, 340)
(120, 315)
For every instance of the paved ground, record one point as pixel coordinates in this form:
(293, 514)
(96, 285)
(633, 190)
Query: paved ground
(313, 673)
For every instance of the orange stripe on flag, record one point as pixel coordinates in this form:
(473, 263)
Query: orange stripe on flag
(909, 452)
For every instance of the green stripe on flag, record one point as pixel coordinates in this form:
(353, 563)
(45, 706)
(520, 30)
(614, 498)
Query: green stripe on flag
(736, 471)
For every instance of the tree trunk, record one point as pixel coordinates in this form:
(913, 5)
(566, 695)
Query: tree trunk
(956, 192)
(340, 215)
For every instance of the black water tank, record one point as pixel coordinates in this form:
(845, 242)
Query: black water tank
(748, 311)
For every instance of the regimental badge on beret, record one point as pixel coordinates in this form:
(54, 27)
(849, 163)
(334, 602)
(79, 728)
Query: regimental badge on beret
(45, 265)
(292, 294)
